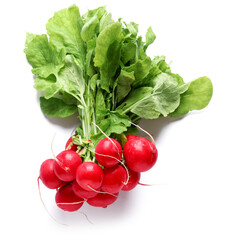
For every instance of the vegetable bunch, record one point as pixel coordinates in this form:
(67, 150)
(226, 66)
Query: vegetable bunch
(97, 183)
(98, 68)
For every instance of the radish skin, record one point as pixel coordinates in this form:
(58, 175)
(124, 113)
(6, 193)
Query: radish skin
(133, 181)
(48, 176)
(114, 179)
(130, 136)
(108, 152)
(82, 193)
(140, 154)
(70, 145)
(66, 164)
(102, 200)
(89, 175)
(67, 200)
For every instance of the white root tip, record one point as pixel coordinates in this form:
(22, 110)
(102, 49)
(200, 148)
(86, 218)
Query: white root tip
(153, 141)
(152, 185)
(38, 181)
(86, 217)
(52, 141)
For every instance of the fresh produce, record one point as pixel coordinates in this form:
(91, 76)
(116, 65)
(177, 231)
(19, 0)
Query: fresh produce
(82, 193)
(108, 152)
(89, 176)
(70, 145)
(66, 165)
(114, 179)
(98, 69)
(133, 180)
(140, 154)
(67, 200)
(102, 200)
(48, 176)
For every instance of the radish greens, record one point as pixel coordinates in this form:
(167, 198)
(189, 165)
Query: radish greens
(99, 68)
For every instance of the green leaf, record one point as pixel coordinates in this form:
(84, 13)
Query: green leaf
(100, 107)
(48, 85)
(135, 96)
(123, 84)
(131, 131)
(132, 29)
(110, 34)
(196, 97)
(161, 98)
(92, 23)
(43, 55)
(90, 69)
(164, 99)
(71, 77)
(55, 107)
(150, 37)
(128, 51)
(93, 83)
(116, 122)
(64, 29)
(105, 21)
(107, 53)
(99, 12)
(29, 38)
(88, 30)
(141, 69)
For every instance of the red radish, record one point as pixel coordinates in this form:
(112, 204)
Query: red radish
(66, 164)
(102, 200)
(129, 137)
(66, 195)
(108, 152)
(80, 192)
(134, 178)
(48, 176)
(70, 145)
(114, 179)
(89, 176)
(140, 154)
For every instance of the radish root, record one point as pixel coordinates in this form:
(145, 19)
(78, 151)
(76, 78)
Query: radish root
(144, 132)
(151, 185)
(107, 137)
(73, 203)
(39, 190)
(94, 190)
(86, 217)
(52, 141)
(54, 156)
(126, 169)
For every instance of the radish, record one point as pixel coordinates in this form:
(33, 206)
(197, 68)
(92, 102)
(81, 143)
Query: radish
(67, 200)
(48, 176)
(66, 164)
(140, 154)
(114, 179)
(130, 136)
(82, 193)
(108, 152)
(70, 145)
(89, 176)
(102, 200)
(133, 181)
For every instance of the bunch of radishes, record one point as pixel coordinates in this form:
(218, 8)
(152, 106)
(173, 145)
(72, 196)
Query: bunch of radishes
(78, 180)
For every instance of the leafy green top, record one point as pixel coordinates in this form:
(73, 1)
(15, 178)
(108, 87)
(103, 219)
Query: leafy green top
(99, 68)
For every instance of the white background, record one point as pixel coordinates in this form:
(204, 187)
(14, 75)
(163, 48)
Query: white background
(198, 163)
